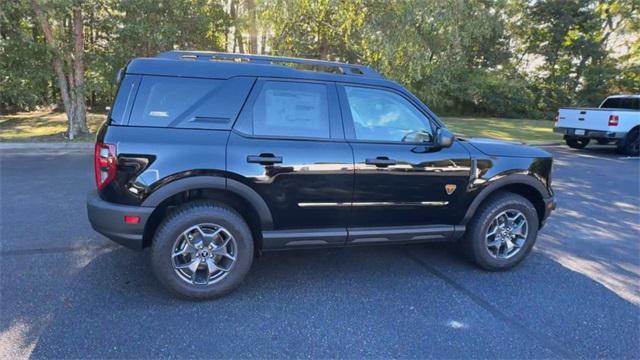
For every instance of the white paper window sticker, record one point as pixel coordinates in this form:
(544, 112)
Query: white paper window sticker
(159, 113)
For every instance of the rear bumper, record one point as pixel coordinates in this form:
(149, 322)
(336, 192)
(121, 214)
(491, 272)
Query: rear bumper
(108, 219)
(592, 134)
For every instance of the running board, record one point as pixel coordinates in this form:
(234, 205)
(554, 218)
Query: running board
(287, 239)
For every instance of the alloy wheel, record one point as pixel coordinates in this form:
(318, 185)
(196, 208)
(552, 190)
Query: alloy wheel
(204, 254)
(507, 234)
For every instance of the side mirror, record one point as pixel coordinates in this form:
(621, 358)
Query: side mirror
(444, 138)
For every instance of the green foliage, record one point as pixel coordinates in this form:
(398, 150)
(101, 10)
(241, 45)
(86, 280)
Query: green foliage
(508, 58)
(147, 27)
(324, 29)
(23, 79)
(572, 37)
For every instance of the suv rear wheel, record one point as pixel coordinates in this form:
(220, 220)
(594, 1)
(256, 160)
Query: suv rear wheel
(502, 232)
(202, 250)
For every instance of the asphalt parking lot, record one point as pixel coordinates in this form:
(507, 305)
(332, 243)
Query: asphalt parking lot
(66, 291)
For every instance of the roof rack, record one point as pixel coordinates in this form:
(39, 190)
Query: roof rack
(345, 69)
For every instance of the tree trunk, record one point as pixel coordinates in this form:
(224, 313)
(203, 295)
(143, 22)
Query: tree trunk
(237, 34)
(57, 64)
(231, 37)
(80, 121)
(239, 40)
(263, 42)
(253, 26)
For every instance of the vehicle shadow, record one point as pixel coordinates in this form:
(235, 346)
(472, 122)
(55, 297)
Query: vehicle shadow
(356, 302)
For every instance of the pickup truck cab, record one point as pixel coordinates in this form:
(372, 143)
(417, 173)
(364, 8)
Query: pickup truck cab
(616, 120)
(211, 158)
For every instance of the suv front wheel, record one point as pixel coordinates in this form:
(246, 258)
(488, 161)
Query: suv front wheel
(502, 232)
(202, 250)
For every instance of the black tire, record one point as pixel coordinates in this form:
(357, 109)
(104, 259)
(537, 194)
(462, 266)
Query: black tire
(181, 219)
(474, 243)
(577, 143)
(630, 145)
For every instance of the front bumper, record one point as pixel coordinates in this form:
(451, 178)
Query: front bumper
(591, 134)
(108, 219)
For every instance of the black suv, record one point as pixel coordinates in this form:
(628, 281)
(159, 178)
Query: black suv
(211, 158)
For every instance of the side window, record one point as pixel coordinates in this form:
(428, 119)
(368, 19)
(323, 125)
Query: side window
(621, 103)
(161, 100)
(122, 103)
(380, 115)
(291, 109)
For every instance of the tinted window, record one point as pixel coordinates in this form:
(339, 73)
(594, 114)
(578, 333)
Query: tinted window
(381, 115)
(161, 100)
(124, 99)
(291, 109)
(622, 103)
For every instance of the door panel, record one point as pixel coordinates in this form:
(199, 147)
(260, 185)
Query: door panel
(401, 176)
(413, 190)
(288, 145)
(299, 189)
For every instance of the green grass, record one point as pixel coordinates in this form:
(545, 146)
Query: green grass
(529, 131)
(43, 126)
(37, 126)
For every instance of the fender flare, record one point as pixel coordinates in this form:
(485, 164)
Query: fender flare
(500, 183)
(218, 183)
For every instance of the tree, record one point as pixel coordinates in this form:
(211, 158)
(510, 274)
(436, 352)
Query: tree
(493, 57)
(572, 37)
(68, 65)
(24, 82)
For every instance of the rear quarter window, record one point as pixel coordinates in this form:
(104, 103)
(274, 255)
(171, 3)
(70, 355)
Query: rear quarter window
(189, 102)
(124, 100)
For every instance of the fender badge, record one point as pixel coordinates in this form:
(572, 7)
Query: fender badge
(450, 188)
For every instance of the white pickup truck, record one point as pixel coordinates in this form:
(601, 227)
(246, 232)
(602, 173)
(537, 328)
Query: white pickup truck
(617, 119)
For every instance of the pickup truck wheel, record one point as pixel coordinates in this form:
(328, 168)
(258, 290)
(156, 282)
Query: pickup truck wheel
(502, 232)
(577, 143)
(202, 250)
(630, 145)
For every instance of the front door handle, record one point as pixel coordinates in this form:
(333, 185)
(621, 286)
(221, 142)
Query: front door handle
(264, 159)
(381, 161)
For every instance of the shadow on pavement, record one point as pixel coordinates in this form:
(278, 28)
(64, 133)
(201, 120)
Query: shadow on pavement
(359, 302)
(596, 228)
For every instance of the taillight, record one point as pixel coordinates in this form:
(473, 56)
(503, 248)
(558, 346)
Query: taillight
(557, 117)
(105, 163)
(613, 120)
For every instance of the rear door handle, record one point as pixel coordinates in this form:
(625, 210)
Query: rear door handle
(264, 159)
(381, 161)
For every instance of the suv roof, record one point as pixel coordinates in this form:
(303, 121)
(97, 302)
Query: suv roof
(205, 64)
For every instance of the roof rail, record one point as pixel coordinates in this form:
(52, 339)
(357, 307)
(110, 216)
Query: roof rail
(342, 68)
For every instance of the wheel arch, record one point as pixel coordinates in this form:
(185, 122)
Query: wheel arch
(239, 196)
(635, 128)
(526, 186)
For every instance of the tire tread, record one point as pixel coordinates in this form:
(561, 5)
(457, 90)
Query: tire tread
(476, 226)
(190, 209)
